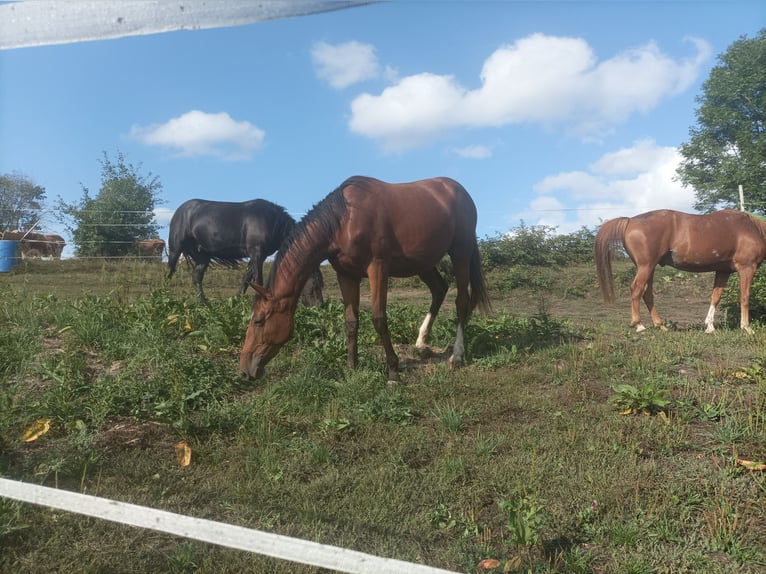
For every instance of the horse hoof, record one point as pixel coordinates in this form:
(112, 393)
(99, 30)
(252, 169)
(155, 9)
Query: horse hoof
(640, 328)
(663, 328)
(454, 363)
(710, 329)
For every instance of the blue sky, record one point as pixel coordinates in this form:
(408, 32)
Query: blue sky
(558, 113)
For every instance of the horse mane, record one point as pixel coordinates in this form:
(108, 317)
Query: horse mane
(318, 226)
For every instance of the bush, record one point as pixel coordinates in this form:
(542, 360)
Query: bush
(537, 245)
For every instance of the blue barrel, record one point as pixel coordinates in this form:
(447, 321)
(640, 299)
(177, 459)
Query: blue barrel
(9, 250)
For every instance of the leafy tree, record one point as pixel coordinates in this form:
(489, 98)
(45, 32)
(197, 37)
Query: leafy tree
(122, 212)
(20, 201)
(728, 143)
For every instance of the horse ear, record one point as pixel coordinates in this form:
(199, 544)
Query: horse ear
(260, 289)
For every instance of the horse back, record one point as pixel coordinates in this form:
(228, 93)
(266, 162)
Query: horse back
(228, 230)
(408, 225)
(718, 241)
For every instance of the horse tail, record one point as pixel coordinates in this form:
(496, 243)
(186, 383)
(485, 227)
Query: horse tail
(174, 245)
(479, 294)
(609, 234)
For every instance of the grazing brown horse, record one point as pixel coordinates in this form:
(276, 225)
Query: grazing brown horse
(369, 228)
(726, 242)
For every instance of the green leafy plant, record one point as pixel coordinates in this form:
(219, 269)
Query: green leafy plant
(644, 399)
(524, 520)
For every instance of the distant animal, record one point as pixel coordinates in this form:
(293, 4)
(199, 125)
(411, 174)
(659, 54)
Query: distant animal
(228, 232)
(150, 249)
(56, 244)
(36, 244)
(369, 228)
(725, 242)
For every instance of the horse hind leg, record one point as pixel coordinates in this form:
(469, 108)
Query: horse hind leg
(197, 274)
(463, 309)
(746, 275)
(642, 287)
(649, 302)
(438, 287)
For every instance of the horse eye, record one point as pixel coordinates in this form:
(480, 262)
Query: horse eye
(259, 321)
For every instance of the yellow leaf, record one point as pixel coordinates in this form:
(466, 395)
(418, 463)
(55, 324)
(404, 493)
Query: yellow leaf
(488, 564)
(187, 326)
(183, 453)
(751, 465)
(626, 411)
(37, 430)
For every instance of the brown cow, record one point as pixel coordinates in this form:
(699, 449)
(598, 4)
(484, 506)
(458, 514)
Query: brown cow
(56, 244)
(150, 249)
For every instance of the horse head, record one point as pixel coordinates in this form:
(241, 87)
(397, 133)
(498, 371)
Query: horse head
(270, 327)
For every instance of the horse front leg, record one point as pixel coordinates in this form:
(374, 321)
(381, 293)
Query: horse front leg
(719, 283)
(253, 272)
(349, 289)
(379, 295)
(438, 287)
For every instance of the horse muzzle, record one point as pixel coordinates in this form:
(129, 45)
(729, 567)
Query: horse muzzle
(251, 367)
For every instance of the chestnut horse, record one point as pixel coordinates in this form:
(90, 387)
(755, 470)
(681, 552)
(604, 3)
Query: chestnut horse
(369, 228)
(725, 241)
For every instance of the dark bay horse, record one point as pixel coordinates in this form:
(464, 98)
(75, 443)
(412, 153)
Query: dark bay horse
(228, 232)
(725, 241)
(369, 228)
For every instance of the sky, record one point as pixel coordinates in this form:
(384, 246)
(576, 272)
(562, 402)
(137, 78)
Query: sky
(558, 113)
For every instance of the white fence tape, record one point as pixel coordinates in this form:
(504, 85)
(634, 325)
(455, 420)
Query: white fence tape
(222, 534)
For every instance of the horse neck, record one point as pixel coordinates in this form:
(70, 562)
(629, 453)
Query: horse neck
(296, 265)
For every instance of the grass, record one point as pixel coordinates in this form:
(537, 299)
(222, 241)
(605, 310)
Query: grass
(522, 457)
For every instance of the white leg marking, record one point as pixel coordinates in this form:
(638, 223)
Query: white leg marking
(709, 326)
(424, 332)
(640, 328)
(458, 350)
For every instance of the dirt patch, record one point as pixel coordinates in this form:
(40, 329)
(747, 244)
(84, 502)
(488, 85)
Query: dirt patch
(129, 433)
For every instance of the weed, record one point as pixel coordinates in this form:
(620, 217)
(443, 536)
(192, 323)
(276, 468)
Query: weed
(646, 398)
(450, 417)
(525, 518)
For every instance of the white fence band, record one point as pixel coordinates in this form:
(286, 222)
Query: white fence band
(222, 534)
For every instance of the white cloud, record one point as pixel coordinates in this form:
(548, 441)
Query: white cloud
(625, 182)
(342, 65)
(163, 215)
(473, 152)
(197, 133)
(538, 79)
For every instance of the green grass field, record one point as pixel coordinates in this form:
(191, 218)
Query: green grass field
(568, 443)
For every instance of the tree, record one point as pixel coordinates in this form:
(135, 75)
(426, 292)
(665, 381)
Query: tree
(122, 212)
(728, 143)
(20, 201)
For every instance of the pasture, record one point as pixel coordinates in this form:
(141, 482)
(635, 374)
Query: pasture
(568, 443)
